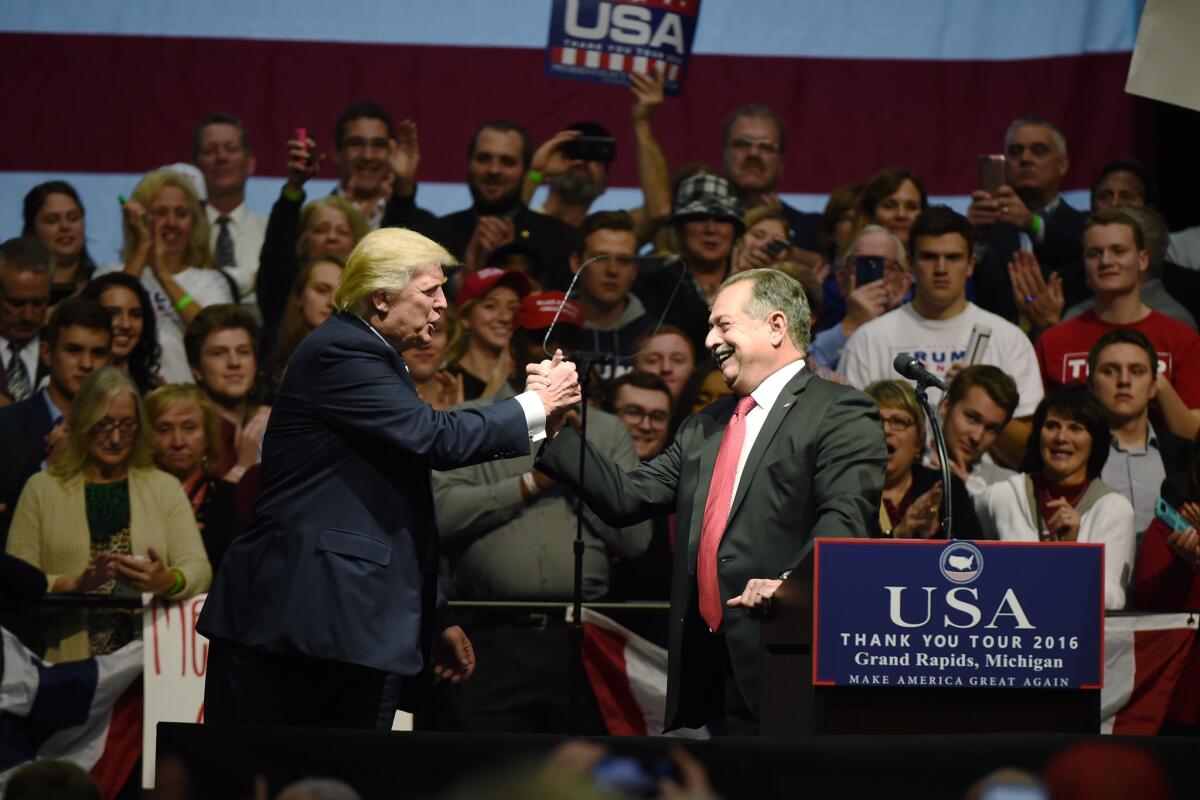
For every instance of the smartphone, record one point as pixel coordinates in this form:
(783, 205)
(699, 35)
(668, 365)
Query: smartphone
(775, 247)
(991, 173)
(301, 136)
(1174, 520)
(868, 269)
(591, 148)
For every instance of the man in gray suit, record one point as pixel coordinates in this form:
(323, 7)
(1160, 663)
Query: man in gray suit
(752, 479)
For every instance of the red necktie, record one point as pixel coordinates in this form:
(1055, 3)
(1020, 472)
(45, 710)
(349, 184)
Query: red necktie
(716, 512)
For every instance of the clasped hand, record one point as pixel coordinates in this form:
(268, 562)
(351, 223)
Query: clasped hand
(557, 384)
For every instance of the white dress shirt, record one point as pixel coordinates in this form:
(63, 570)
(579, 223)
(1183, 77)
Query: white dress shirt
(764, 400)
(247, 230)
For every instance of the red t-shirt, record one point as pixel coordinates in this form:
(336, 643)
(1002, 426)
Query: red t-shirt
(1062, 351)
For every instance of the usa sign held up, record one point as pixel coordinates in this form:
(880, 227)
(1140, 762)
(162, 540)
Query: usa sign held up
(600, 41)
(957, 614)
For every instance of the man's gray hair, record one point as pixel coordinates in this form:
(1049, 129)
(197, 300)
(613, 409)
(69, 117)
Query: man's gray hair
(1060, 141)
(851, 251)
(776, 291)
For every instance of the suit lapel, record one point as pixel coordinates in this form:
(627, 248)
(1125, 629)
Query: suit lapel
(783, 406)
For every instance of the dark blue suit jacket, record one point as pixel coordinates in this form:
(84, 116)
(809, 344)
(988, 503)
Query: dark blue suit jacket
(23, 429)
(340, 561)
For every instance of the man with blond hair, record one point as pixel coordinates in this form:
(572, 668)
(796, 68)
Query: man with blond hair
(327, 611)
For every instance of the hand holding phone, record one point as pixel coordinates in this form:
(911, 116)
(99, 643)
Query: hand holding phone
(868, 269)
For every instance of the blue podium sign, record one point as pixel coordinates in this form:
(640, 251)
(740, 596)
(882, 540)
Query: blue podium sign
(930, 613)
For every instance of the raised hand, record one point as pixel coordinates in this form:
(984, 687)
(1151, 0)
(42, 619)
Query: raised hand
(549, 159)
(647, 94)
(490, 233)
(1038, 301)
(404, 155)
(302, 164)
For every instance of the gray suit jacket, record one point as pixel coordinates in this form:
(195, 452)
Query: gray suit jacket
(816, 469)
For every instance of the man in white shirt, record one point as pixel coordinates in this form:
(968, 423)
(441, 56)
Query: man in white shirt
(752, 479)
(221, 149)
(937, 326)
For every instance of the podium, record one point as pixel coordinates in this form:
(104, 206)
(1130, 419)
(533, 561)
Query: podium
(792, 703)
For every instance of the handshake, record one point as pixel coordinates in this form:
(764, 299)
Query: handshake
(557, 384)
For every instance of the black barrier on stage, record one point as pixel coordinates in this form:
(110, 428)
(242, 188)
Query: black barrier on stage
(223, 760)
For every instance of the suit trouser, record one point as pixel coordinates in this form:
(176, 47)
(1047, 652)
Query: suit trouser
(244, 686)
(522, 681)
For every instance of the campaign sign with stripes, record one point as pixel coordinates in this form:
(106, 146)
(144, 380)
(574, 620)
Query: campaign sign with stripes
(958, 614)
(601, 40)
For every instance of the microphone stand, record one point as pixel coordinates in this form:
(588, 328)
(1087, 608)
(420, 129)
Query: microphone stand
(584, 362)
(943, 458)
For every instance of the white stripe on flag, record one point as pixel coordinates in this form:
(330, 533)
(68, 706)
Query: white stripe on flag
(646, 669)
(82, 744)
(1120, 658)
(673, 72)
(616, 61)
(591, 58)
(568, 55)
(640, 64)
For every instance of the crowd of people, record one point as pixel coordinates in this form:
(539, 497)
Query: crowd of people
(137, 392)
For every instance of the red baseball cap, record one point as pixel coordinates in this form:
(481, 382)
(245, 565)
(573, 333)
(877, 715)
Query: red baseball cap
(482, 281)
(537, 312)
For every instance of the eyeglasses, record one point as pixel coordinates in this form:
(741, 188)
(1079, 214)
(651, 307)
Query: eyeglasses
(745, 145)
(636, 414)
(106, 426)
(898, 423)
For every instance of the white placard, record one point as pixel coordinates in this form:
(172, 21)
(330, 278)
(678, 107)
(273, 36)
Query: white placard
(176, 657)
(1166, 59)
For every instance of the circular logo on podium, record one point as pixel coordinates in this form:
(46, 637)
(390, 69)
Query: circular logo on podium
(961, 562)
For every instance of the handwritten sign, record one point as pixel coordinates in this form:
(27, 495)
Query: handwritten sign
(921, 613)
(601, 40)
(176, 658)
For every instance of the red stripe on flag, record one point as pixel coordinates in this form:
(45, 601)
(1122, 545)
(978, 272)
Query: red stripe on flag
(1159, 658)
(604, 662)
(128, 104)
(123, 744)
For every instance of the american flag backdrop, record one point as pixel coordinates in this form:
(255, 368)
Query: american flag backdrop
(100, 92)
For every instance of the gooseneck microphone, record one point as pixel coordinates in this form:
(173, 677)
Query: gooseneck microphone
(912, 369)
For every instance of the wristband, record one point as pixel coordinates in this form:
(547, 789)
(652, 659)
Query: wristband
(236, 471)
(295, 196)
(1035, 226)
(174, 590)
(534, 177)
(530, 485)
(184, 302)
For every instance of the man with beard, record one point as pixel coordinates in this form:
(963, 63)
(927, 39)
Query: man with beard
(497, 161)
(378, 164)
(575, 183)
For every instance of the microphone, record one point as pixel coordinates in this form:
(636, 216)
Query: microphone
(910, 368)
